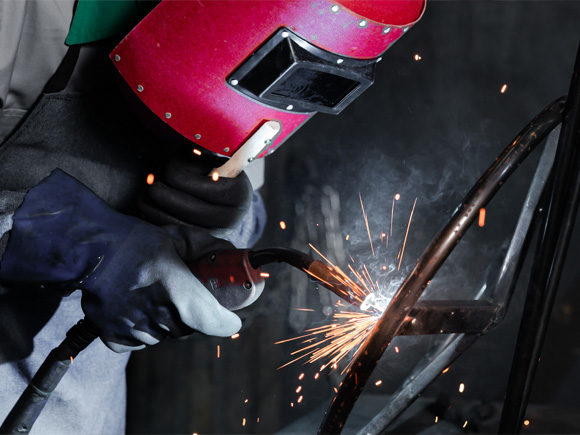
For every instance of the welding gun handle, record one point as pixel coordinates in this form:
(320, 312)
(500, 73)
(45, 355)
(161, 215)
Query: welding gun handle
(32, 401)
(229, 276)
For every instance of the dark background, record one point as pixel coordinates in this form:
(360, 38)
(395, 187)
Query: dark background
(426, 129)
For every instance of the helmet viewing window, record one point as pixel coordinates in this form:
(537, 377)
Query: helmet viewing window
(289, 73)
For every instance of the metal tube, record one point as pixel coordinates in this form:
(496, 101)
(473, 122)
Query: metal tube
(550, 257)
(412, 390)
(501, 291)
(428, 264)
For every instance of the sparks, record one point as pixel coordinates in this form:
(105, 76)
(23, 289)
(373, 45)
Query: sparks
(357, 291)
(406, 234)
(150, 179)
(218, 350)
(392, 215)
(316, 375)
(334, 342)
(417, 57)
(526, 422)
(71, 359)
(283, 225)
(300, 399)
(461, 387)
(215, 176)
(236, 335)
(379, 382)
(246, 401)
(367, 224)
(301, 376)
(243, 422)
(347, 236)
(465, 424)
(436, 419)
(339, 338)
(196, 152)
(304, 309)
(481, 221)
(298, 389)
(446, 370)
(503, 89)
(264, 274)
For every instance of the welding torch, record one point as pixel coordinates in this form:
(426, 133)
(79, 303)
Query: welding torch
(233, 276)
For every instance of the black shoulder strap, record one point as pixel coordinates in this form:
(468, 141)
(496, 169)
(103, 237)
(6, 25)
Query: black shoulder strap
(62, 75)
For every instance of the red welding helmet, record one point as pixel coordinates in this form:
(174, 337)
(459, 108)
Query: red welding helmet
(216, 70)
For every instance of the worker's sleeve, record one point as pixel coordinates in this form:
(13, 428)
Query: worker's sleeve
(254, 222)
(9, 202)
(252, 226)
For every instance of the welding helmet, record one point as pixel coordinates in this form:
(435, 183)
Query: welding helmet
(215, 71)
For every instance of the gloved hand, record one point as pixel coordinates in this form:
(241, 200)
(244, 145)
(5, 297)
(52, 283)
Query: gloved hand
(136, 287)
(184, 193)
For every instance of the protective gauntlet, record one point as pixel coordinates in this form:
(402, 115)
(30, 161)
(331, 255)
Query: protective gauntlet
(185, 194)
(136, 287)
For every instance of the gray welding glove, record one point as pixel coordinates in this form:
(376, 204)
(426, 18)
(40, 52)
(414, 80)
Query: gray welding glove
(136, 286)
(184, 193)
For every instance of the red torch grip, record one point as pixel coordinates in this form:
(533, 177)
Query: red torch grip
(229, 276)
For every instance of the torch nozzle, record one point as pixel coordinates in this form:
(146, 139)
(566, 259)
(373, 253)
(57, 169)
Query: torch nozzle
(332, 281)
(322, 273)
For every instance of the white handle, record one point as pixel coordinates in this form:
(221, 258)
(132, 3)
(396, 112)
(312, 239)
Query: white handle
(248, 151)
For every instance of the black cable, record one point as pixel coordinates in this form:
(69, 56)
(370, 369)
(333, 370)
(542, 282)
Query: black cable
(32, 401)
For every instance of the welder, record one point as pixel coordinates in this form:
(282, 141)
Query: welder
(86, 115)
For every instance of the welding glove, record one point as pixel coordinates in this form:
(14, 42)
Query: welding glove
(136, 287)
(184, 193)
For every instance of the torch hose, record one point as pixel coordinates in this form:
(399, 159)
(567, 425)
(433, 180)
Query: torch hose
(295, 258)
(429, 263)
(32, 401)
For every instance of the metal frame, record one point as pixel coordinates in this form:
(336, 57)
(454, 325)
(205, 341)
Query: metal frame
(555, 189)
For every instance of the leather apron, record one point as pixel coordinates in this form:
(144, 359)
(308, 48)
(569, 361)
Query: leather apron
(94, 138)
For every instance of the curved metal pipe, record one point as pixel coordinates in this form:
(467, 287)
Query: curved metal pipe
(497, 288)
(548, 263)
(385, 329)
